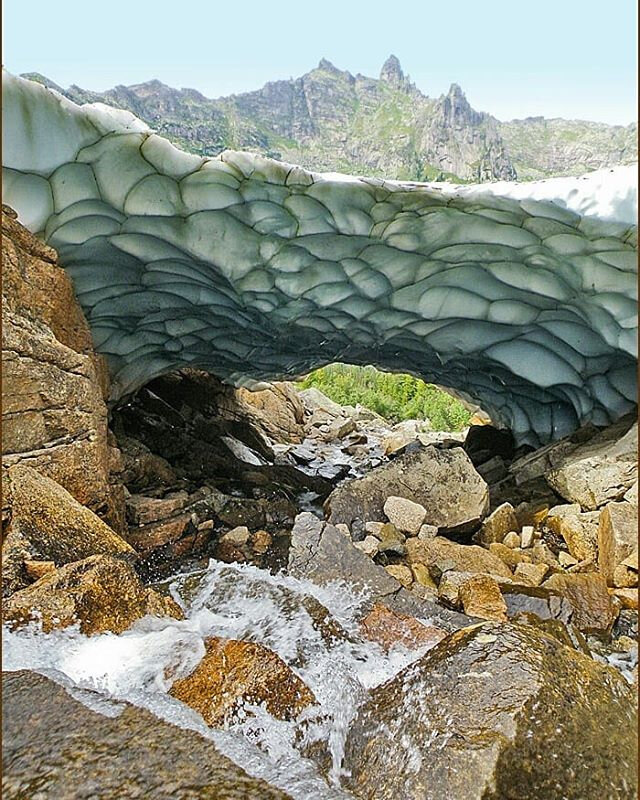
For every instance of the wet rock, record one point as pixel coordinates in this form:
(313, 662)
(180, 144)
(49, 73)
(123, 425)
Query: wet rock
(498, 524)
(237, 536)
(442, 481)
(481, 597)
(458, 723)
(147, 538)
(261, 541)
(142, 509)
(566, 634)
(597, 472)
(543, 602)
(593, 610)
(401, 573)
(48, 524)
(617, 537)
(406, 515)
(530, 574)
(322, 554)
(389, 628)
(579, 530)
(234, 672)
(464, 558)
(129, 755)
(101, 593)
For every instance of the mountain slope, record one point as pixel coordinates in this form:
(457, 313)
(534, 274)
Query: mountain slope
(330, 120)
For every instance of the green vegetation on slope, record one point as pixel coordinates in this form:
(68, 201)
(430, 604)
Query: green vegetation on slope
(395, 397)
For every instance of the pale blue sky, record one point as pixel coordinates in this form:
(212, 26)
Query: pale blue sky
(569, 58)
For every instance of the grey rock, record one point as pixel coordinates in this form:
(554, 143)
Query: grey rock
(442, 481)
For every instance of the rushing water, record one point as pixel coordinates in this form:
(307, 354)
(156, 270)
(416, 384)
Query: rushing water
(240, 602)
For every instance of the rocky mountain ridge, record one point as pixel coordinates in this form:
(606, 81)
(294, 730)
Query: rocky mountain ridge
(331, 120)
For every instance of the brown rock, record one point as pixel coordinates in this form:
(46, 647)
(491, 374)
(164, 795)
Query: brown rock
(389, 628)
(53, 740)
(36, 569)
(512, 540)
(625, 578)
(261, 542)
(530, 574)
(102, 593)
(146, 538)
(498, 524)
(54, 417)
(402, 574)
(48, 524)
(458, 724)
(627, 597)
(464, 558)
(450, 585)
(617, 536)
(233, 672)
(142, 509)
(481, 597)
(593, 610)
(277, 411)
(509, 556)
(531, 514)
(578, 529)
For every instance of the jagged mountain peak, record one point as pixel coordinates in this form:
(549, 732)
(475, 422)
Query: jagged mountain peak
(391, 72)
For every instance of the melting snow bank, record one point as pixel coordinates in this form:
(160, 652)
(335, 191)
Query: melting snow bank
(240, 602)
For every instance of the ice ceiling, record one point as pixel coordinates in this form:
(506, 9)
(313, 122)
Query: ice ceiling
(519, 296)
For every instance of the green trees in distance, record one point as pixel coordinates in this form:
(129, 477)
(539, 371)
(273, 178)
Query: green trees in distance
(395, 397)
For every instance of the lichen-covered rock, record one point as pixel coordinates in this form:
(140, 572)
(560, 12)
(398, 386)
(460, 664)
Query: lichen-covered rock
(54, 417)
(617, 536)
(235, 672)
(47, 523)
(53, 740)
(444, 482)
(496, 711)
(463, 558)
(101, 593)
(406, 515)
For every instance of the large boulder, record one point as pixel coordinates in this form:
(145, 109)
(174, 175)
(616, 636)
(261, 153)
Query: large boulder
(234, 672)
(101, 593)
(617, 537)
(47, 523)
(55, 743)
(277, 411)
(459, 557)
(322, 554)
(496, 711)
(598, 471)
(444, 481)
(54, 416)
